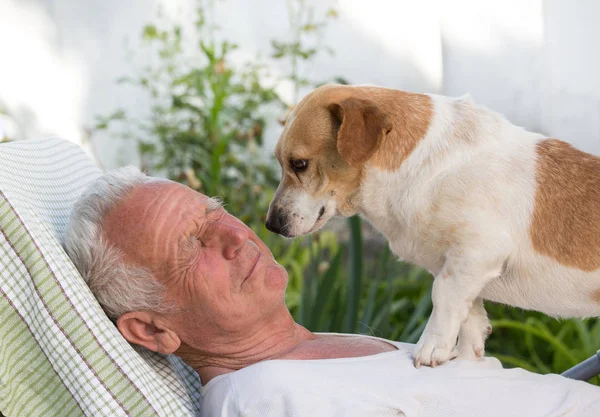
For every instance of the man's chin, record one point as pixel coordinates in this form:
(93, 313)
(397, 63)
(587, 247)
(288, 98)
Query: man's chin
(276, 277)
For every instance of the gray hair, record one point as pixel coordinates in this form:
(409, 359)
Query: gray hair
(118, 287)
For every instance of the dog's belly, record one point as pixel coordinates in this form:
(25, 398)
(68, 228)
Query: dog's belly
(552, 289)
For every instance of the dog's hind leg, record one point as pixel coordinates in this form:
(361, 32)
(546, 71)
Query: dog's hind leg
(473, 332)
(455, 289)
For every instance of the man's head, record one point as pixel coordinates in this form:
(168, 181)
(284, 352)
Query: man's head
(170, 264)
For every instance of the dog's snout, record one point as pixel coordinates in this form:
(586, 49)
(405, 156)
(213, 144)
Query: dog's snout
(277, 222)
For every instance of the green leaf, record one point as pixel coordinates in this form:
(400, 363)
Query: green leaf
(356, 272)
(325, 291)
(368, 310)
(543, 334)
(146, 148)
(149, 32)
(333, 13)
(419, 315)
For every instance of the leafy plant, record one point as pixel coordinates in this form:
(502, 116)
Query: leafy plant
(207, 118)
(540, 343)
(304, 43)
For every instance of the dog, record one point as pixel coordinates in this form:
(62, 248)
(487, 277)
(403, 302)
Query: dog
(493, 211)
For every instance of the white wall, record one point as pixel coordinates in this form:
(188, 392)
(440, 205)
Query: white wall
(494, 51)
(536, 61)
(58, 64)
(571, 98)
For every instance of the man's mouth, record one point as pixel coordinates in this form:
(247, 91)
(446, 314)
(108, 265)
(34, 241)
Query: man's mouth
(258, 255)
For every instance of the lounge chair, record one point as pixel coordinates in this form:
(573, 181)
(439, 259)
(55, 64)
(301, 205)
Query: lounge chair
(60, 355)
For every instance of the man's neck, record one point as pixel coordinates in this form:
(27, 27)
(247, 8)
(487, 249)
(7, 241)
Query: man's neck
(272, 341)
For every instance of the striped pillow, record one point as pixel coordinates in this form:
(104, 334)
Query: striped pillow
(59, 353)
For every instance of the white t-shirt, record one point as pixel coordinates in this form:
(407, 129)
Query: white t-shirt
(387, 384)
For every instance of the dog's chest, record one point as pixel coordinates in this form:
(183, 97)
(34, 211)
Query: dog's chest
(405, 230)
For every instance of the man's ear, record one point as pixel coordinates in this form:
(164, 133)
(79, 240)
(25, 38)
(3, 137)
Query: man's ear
(148, 330)
(361, 125)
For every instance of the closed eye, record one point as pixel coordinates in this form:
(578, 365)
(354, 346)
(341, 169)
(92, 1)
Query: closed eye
(188, 247)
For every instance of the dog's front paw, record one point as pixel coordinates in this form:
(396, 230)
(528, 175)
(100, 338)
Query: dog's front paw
(433, 350)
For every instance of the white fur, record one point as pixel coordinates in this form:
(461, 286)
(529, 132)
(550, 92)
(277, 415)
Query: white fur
(304, 218)
(486, 186)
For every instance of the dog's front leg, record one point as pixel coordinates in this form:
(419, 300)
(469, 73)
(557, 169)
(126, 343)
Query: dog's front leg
(455, 289)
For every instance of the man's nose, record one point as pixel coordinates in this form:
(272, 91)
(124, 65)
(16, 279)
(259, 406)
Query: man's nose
(232, 239)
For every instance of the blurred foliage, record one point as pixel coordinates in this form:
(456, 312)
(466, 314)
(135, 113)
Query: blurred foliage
(305, 42)
(205, 129)
(208, 115)
(207, 120)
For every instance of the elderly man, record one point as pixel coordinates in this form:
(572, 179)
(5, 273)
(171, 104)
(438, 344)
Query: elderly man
(180, 275)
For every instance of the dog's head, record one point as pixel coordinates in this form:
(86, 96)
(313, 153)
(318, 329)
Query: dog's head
(323, 149)
(325, 142)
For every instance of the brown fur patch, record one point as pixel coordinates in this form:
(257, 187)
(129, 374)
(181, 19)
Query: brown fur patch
(411, 116)
(596, 295)
(566, 217)
(362, 126)
(345, 182)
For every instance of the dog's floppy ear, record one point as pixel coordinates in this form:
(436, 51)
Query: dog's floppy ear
(360, 125)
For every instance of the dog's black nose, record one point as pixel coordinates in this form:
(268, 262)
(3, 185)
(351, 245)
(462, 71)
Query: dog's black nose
(277, 223)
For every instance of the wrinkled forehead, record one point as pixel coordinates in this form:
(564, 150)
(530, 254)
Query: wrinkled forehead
(170, 194)
(152, 206)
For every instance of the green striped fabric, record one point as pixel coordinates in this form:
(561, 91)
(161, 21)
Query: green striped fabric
(59, 353)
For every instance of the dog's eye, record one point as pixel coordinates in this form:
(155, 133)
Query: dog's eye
(299, 165)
